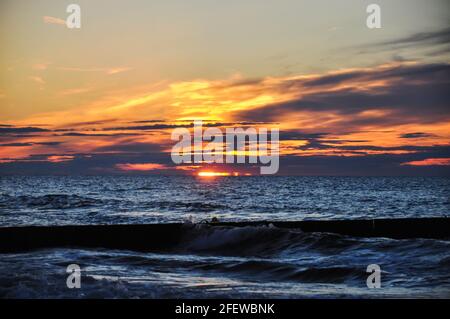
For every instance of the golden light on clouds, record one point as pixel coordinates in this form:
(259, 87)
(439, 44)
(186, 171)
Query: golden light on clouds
(127, 121)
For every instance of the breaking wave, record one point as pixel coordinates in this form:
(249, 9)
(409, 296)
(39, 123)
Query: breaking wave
(258, 240)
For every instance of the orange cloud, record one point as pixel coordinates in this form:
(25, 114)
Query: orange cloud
(140, 167)
(59, 158)
(430, 162)
(53, 20)
(40, 66)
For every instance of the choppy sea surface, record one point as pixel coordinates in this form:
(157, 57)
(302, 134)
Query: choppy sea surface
(251, 262)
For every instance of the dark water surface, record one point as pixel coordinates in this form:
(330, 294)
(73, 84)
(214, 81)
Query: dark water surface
(222, 262)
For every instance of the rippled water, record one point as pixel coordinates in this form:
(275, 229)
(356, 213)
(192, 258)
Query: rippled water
(224, 262)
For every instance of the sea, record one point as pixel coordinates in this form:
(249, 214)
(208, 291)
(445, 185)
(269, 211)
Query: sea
(224, 262)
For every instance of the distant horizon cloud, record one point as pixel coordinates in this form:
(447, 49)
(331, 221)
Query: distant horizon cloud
(140, 166)
(429, 162)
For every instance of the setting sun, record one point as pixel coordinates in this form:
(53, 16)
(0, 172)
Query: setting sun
(213, 174)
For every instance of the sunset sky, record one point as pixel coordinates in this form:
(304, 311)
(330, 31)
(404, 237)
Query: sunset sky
(105, 98)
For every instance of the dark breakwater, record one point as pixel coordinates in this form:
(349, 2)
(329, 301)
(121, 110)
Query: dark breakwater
(160, 237)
